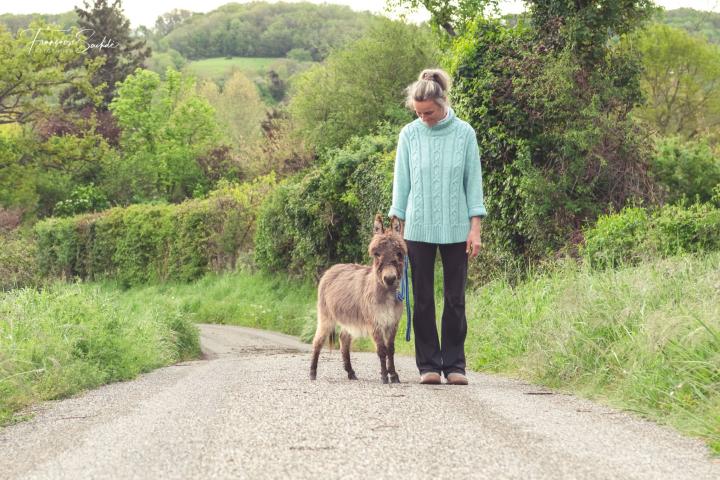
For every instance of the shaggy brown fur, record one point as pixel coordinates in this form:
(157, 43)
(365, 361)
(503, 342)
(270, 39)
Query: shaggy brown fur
(361, 299)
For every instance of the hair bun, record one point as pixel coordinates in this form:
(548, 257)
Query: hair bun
(438, 76)
(432, 84)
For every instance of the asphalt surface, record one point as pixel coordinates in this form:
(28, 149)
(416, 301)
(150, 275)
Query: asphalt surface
(249, 411)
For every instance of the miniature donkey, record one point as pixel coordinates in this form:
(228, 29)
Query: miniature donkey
(363, 301)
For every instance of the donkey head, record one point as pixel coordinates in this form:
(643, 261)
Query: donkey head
(387, 249)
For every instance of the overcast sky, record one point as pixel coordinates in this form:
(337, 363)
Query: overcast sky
(144, 12)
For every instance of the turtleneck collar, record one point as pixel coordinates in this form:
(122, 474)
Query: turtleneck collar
(444, 123)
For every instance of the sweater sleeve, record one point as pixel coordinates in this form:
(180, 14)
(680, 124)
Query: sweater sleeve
(472, 179)
(401, 179)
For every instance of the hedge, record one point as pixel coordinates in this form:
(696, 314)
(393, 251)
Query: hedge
(150, 243)
(635, 234)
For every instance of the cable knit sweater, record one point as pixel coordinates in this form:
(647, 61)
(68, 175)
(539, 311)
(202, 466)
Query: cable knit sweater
(437, 186)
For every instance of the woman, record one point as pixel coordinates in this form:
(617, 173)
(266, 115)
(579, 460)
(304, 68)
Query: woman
(437, 193)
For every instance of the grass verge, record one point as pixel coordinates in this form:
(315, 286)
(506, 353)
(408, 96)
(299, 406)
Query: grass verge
(270, 302)
(69, 337)
(645, 338)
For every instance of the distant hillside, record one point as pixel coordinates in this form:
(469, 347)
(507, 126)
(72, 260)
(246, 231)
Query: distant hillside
(13, 22)
(694, 21)
(260, 29)
(256, 29)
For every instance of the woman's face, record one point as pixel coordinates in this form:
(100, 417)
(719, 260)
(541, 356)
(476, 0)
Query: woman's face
(429, 111)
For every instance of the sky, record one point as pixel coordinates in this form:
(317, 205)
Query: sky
(144, 12)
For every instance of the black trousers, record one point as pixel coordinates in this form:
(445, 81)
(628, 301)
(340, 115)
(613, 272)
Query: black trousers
(446, 356)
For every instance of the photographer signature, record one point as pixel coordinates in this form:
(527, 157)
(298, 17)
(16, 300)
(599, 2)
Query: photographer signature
(84, 44)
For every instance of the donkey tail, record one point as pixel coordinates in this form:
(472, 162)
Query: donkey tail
(332, 339)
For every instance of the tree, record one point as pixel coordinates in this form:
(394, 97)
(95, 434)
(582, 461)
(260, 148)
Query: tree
(37, 171)
(108, 36)
(35, 64)
(239, 112)
(15, 22)
(586, 26)
(681, 79)
(550, 102)
(361, 85)
(161, 61)
(169, 21)
(166, 128)
(452, 16)
(300, 55)
(18, 174)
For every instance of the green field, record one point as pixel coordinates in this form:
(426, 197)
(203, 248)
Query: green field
(217, 68)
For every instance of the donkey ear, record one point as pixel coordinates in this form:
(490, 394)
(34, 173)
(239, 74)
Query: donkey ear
(396, 225)
(378, 225)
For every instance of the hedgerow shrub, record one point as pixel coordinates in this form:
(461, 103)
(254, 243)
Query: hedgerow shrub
(686, 168)
(321, 216)
(677, 229)
(370, 185)
(146, 243)
(83, 198)
(614, 238)
(17, 260)
(551, 116)
(635, 234)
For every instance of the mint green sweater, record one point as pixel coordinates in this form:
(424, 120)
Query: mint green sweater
(437, 185)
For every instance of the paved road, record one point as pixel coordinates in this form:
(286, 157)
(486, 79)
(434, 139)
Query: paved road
(249, 411)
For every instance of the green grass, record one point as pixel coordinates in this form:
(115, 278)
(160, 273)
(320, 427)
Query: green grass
(217, 68)
(66, 338)
(257, 300)
(251, 300)
(645, 339)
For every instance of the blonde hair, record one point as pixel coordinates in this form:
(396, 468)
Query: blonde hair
(432, 84)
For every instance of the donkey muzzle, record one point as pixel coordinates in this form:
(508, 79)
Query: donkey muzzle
(389, 280)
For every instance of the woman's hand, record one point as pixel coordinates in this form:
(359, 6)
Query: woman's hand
(473, 243)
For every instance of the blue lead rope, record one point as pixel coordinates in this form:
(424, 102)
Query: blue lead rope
(404, 294)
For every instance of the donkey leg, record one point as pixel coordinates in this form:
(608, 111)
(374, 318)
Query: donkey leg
(382, 354)
(345, 341)
(317, 346)
(321, 335)
(394, 377)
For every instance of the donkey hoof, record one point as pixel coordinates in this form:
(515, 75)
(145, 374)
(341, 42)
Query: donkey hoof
(313, 375)
(395, 378)
(351, 376)
(384, 379)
